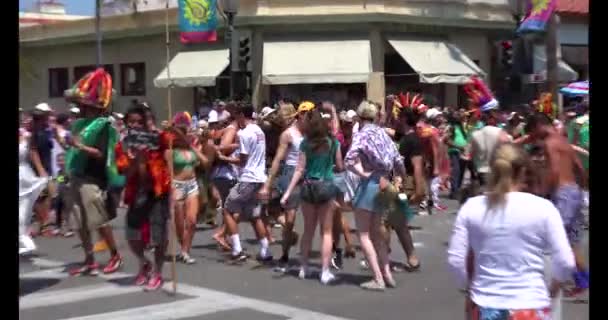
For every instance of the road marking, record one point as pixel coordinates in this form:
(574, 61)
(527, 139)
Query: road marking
(63, 296)
(255, 304)
(173, 310)
(45, 263)
(57, 273)
(205, 301)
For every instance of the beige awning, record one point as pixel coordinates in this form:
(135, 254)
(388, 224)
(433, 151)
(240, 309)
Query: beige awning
(194, 69)
(436, 61)
(565, 73)
(296, 62)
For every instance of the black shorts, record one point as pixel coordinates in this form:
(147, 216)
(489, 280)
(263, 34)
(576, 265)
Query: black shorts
(156, 211)
(223, 187)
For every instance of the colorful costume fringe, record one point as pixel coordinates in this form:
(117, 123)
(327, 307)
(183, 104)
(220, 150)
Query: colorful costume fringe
(408, 100)
(94, 89)
(182, 119)
(480, 94)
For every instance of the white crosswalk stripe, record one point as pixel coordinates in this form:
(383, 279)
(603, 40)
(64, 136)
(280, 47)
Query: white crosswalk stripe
(198, 302)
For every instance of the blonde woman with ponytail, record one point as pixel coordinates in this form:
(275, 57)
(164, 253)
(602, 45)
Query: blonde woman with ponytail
(498, 242)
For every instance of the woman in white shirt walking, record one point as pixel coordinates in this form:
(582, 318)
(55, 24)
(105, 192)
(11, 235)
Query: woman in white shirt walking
(498, 244)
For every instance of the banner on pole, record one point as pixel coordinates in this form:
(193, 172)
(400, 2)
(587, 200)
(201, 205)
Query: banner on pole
(538, 14)
(197, 21)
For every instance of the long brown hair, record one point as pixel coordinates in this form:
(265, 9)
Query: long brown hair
(181, 137)
(317, 131)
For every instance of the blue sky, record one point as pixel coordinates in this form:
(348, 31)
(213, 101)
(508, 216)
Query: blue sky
(77, 7)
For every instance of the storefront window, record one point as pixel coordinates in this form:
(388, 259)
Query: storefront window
(343, 96)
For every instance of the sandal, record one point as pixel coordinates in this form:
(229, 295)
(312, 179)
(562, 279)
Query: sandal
(411, 268)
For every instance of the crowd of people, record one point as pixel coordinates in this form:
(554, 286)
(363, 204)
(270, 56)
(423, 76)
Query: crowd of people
(386, 162)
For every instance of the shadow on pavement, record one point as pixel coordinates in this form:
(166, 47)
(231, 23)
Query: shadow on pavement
(27, 286)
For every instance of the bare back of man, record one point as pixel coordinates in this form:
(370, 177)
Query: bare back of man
(562, 162)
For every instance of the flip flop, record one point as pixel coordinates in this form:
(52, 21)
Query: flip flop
(409, 268)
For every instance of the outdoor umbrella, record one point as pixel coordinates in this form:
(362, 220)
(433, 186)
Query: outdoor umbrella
(576, 89)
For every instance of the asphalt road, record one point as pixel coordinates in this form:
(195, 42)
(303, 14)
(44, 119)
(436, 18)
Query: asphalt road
(211, 289)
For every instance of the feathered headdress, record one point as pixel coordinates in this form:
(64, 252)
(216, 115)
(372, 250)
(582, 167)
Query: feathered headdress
(94, 89)
(408, 100)
(182, 119)
(546, 105)
(480, 94)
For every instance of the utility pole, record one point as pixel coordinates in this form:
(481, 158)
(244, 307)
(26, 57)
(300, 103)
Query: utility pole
(98, 31)
(551, 54)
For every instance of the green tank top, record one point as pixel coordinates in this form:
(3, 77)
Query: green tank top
(180, 162)
(320, 165)
(459, 139)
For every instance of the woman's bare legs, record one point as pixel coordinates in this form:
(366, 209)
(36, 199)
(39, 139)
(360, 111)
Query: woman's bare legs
(309, 212)
(179, 220)
(363, 220)
(378, 238)
(326, 217)
(191, 215)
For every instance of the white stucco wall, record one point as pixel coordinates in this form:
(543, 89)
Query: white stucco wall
(150, 50)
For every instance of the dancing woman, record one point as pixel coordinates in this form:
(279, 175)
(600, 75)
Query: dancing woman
(373, 156)
(186, 159)
(319, 153)
(283, 168)
(498, 242)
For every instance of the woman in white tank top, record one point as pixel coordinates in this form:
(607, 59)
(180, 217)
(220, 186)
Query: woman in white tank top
(283, 167)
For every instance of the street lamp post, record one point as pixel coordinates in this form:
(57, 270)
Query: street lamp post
(231, 8)
(98, 31)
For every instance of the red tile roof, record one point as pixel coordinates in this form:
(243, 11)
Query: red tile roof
(573, 6)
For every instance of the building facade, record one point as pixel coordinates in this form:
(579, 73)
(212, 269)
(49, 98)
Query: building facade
(342, 50)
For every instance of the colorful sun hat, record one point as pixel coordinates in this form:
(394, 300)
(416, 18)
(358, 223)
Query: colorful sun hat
(94, 89)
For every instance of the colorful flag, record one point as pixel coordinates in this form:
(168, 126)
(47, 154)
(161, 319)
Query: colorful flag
(539, 12)
(197, 21)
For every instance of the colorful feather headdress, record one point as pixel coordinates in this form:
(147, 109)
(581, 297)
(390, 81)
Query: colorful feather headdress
(546, 105)
(408, 100)
(94, 89)
(480, 94)
(182, 119)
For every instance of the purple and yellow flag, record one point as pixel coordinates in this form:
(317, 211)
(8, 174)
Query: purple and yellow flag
(197, 21)
(539, 12)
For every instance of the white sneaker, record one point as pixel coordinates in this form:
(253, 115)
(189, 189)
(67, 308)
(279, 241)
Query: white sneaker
(27, 245)
(302, 274)
(327, 277)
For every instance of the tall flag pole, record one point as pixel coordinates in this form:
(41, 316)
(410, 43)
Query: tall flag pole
(197, 21)
(172, 234)
(98, 31)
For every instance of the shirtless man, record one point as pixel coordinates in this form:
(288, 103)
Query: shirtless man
(563, 164)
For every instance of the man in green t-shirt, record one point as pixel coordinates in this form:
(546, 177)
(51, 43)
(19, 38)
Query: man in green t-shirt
(90, 162)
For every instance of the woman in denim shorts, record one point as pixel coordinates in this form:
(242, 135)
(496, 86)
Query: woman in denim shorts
(319, 153)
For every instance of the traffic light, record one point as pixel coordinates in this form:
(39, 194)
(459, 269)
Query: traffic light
(507, 54)
(244, 53)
